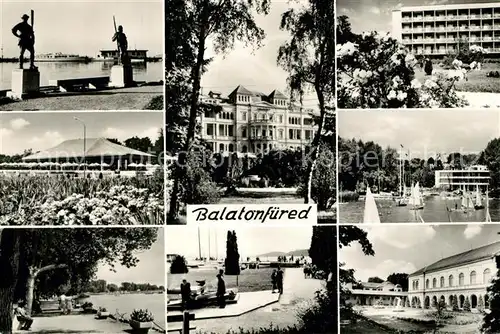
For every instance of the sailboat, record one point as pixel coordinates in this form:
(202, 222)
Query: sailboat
(467, 202)
(478, 205)
(402, 201)
(370, 215)
(416, 201)
(488, 217)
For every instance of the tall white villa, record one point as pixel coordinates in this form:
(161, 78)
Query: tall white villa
(464, 275)
(436, 30)
(255, 122)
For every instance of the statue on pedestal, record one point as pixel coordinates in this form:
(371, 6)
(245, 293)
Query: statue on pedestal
(121, 40)
(24, 31)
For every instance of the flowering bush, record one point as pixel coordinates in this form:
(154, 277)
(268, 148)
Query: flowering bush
(378, 72)
(51, 201)
(142, 316)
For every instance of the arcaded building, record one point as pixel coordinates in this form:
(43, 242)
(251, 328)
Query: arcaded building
(464, 275)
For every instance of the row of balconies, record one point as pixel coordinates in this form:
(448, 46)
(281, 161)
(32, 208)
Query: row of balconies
(444, 52)
(455, 287)
(450, 28)
(450, 17)
(448, 40)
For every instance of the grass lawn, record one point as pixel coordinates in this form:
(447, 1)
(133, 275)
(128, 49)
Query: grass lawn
(477, 81)
(361, 327)
(248, 281)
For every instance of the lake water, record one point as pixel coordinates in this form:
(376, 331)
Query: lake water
(153, 71)
(434, 211)
(126, 303)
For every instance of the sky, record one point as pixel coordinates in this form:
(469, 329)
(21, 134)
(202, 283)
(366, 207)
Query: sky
(376, 15)
(252, 241)
(148, 270)
(84, 26)
(41, 131)
(424, 133)
(398, 250)
(258, 70)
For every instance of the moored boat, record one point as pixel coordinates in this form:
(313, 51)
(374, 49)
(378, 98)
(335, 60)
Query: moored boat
(61, 57)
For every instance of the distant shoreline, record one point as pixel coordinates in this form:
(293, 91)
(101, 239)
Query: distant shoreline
(154, 292)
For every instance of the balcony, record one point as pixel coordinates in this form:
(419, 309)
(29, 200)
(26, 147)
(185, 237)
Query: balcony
(474, 16)
(262, 122)
(406, 19)
(487, 16)
(429, 18)
(418, 30)
(451, 17)
(475, 28)
(259, 137)
(429, 40)
(463, 17)
(487, 28)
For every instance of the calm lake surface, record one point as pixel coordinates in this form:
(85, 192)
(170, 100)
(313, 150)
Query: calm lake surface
(434, 211)
(126, 303)
(66, 70)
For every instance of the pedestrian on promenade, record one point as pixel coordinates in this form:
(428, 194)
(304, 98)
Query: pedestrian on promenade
(279, 280)
(273, 280)
(185, 294)
(221, 289)
(22, 316)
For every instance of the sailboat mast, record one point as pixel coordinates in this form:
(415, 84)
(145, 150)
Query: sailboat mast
(199, 244)
(400, 172)
(208, 244)
(216, 246)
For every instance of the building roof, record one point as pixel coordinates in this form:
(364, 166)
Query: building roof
(276, 94)
(241, 90)
(471, 256)
(95, 147)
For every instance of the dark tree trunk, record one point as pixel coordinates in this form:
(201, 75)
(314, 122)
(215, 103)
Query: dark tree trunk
(181, 168)
(9, 268)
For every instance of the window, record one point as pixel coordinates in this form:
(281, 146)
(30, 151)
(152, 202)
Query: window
(290, 134)
(441, 282)
(434, 282)
(473, 277)
(264, 132)
(307, 134)
(244, 132)
(486, 276)
(308, 121)
(221, 130)
(230, 130)
(244, 149)
(210, 130)
(461, 279)
(427, 283)
(280, 134)
(231, 148)
(221, 147)
(280, 119)
(244, 116)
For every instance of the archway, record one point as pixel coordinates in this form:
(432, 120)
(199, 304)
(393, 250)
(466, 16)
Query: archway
(450, 300)
(434, 301)
(427, 302)
(473, 301)
(461, 301)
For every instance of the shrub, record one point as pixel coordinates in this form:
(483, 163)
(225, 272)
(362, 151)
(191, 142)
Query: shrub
(466, 306)
(348, 196)
(480, 304)
(156, 103)
(141, 315)
(319, 318)
(87, 305)
(179, 265)
(454, 304)
(378, 72)
(493, 74)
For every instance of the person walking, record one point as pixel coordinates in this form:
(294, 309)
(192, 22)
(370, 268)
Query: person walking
(279, 280)
(185, 294)
(273, 280)
(26, 36)
(221, 289)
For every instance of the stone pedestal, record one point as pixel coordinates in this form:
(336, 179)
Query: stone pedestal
(121, 76)
(25, 82)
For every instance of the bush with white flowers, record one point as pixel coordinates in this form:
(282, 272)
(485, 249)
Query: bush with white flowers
(379, 72)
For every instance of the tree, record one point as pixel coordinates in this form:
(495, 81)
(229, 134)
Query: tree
(112, 287)
(322, 251)
(221, 22)
(454, 303)
(75, 251)
(114, 141)
(344, 30)
(375, 280)
(141, 144)
(232, 261)
(10, 241)
(399, 278)
(491, 158)
(491, 321)
(309, 59)
(179, 265)
(466, 306)
(480, 304)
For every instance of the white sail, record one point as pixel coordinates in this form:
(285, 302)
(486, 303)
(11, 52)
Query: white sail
(371, 211)
(416, 196)
(488, 217)
(479, 201)
(467, 202)
(412, 200)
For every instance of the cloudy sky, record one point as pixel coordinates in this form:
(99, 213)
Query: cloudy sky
(40, 131)
(398, 250)
(84, 26)
(424, 133)
(148, 270)
(376, 15)
(252, 241)
(257, 71)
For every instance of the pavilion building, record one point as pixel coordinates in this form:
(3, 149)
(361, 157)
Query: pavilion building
(369, 294)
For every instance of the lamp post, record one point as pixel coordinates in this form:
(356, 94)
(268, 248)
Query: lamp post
(84, 145)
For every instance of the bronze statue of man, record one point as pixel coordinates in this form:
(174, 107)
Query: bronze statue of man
(26, 36)
(121, 39)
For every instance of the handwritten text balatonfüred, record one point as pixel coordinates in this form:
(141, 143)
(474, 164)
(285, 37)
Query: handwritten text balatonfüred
(272, 213)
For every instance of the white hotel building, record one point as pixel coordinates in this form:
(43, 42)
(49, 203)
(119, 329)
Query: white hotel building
(470, 179)
(464, 275)
(436, 30)
(255, 122)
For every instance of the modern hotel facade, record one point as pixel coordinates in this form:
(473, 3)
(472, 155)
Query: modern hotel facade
(437, 30)
(255, 122)
(465, 275)
(464, 179)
